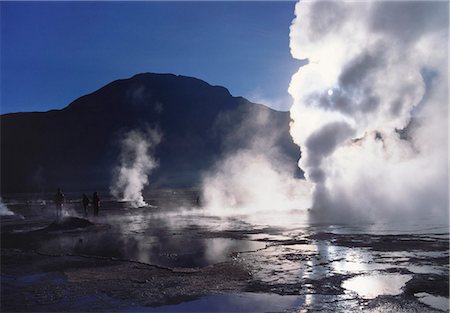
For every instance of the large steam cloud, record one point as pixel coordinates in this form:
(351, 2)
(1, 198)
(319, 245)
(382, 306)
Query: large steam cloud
(136, 163)
(370, 108)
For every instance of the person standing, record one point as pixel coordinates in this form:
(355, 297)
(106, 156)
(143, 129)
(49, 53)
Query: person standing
(95, 203)
(85, 202)
(59, 200)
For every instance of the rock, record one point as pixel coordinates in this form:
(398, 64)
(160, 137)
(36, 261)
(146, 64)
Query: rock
(68, 223)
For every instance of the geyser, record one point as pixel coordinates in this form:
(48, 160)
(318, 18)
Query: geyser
(136, 163)
(4, 211)
(370, 108)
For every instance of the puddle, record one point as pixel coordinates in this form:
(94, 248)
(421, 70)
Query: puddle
(346, 267)
(424, 269)
(440, 303)
(303, 248)
(352, 261)
(53, 278)
(168, 250)
(243, 302)
(372, 286)
(179, 251)
(73, 302)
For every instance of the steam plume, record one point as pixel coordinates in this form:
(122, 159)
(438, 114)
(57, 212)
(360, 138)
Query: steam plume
(136, 163)
(253, 178)
(371, 107)
(4, 209)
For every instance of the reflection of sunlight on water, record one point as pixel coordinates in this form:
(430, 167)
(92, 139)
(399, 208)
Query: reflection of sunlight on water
(336, 259)
(317, 267)
(371, 286)
(345, 260)
(219, 249)
(344, 266)
(309, 301)
(136, 222)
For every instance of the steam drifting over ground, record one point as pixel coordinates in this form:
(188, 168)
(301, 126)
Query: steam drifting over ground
(136, 163)
(371, 107)
(253, 177)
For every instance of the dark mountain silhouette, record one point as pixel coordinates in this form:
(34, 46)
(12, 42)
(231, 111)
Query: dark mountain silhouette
(77, 147)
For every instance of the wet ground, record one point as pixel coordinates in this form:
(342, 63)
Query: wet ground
(175, 257)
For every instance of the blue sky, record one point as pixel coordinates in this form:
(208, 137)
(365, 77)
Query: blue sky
(55, 52)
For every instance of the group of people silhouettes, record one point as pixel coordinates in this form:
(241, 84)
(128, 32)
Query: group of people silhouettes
(60, 199)
(95, 203)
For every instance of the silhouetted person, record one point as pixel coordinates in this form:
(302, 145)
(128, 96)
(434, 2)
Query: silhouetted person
(95, 203)
(85, 202)
(59, 200)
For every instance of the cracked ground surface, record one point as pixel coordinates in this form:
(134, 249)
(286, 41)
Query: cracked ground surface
(168, 259)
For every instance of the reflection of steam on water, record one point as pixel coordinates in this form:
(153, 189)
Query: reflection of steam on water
(372, 67)
(255, 177)
(136, 163)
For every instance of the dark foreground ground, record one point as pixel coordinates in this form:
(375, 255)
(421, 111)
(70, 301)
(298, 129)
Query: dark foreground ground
(166, 259)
